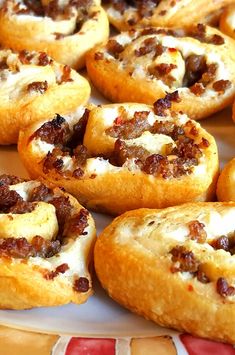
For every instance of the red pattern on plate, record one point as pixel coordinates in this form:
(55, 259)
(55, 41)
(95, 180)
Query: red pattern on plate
(197, 346)
(90, 346)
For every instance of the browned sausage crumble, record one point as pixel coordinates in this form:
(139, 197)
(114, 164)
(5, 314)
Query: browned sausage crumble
(224, 242)
(197, 231)
(223, 288)
(38, 86)
(185, 261)
(81, 284)
(61, 269)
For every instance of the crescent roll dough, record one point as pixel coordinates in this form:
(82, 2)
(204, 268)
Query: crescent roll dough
(227, 21)
(226, 182)
(32, 85)
(65, 30)
(118, 157)
(174, 266)
(46, 243)
(143, 65)
(125, 14)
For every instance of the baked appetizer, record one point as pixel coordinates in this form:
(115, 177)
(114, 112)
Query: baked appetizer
(117, 157)
(174, 266)
(66, 29)
(46, 242)
(227, 21)
(126, 14)
(226, 182)
(33, 86)
(142, 65)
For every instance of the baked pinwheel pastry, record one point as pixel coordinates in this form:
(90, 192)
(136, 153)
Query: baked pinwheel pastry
(33, 86)
(226, 182)
(142, 65)
(66, 29)
(227, 21)
(115, 158)
(126, 14)
(46, 242)
(174, 266)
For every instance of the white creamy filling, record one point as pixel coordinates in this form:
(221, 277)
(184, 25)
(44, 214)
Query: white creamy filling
(114, 13)
(99, 166)
(139, 72)
(219, 223)
(41, 147)
(201, 168)
(153, 143)
(109, 114)
(24, 188)
(124, 39)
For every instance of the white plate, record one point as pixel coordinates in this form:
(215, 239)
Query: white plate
(101, 316)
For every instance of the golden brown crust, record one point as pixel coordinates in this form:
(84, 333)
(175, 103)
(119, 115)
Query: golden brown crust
(101, 182)
(57, 36)
(227, 21)
(36, 277)
(138, 249)
(165, 14)
(34, 86)
(226, 182)
(152, 62)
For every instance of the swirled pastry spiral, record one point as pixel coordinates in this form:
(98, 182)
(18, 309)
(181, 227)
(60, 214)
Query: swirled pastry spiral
(46, 241)
(226, 182)
(32, 85)
(142, 65)
(126, 14)
(174, 266)
(123, 156)
(64, 29)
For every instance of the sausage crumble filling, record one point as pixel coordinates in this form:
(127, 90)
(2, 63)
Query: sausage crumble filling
(184, 260)
(179, 159)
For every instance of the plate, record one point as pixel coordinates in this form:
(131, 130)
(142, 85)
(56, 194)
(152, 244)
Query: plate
(101, 316)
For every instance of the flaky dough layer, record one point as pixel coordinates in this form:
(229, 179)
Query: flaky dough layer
(46, 246)
(125, 156)
(33, 86)
(66, 37)
(170, 266)
(198, 63)
(226, 182)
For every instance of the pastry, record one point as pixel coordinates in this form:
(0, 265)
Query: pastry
(66, 30)
(226, 182)
(126, 14)
(46, 243)
(227, 21)
(33, 86)
(174, 266)
(118, 157)
(142, 65)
